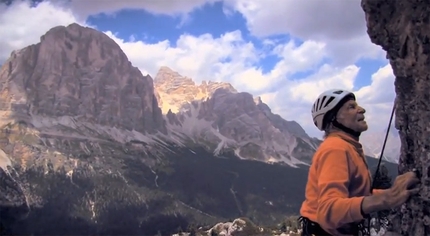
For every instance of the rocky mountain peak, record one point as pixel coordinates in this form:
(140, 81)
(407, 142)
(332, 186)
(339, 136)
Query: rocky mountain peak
(223, 119)
(176, 90)
(165, 75)
(258, 100)
(79, 72)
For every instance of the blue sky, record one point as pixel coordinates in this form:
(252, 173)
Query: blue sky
(261, 59)
(210, 18)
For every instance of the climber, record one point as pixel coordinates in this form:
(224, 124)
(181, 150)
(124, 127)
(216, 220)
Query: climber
(337, 197)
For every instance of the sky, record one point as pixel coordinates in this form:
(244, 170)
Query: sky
(287, 52)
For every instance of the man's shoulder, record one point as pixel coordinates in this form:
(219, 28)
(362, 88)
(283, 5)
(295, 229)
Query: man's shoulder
(334, 142)
(331, 147)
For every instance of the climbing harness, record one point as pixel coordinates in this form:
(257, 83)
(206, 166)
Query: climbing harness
(310, 228)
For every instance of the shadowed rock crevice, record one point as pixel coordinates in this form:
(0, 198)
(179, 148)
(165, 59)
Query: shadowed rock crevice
(402, 28)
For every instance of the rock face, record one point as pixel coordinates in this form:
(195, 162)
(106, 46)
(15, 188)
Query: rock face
(402, 29)
(80, 73)
(175, 90)
(216, 115)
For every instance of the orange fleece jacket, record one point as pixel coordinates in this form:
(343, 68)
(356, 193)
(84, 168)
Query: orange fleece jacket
(338, 180)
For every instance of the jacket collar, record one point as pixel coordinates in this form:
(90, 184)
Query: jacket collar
(348, 138)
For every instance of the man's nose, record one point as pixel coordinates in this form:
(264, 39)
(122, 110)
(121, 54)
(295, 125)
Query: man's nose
(362, 110)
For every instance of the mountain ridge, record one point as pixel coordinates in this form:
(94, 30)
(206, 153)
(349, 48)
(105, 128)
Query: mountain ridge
(181, 97)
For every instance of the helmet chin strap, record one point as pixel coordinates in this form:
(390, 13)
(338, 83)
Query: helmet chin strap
(346, 129)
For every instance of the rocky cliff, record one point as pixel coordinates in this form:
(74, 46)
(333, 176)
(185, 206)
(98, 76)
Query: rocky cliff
(78, 73)
(402, 29)
(218, 116)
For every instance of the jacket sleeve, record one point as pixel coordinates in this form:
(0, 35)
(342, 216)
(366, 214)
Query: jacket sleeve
(335, 209)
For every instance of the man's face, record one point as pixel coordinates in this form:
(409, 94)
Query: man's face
(351, 115)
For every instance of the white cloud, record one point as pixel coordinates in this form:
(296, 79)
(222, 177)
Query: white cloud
(326, 78)
(305, 19)
(228, 58)
(296, 58)
(25, 25)
(338, 23)
(182, 8)
(233, 59)
(381, 89)
(295, 98)
(378, 100)
(201, 58)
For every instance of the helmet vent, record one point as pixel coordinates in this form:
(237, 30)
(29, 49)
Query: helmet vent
(328, 102)
(322, 102)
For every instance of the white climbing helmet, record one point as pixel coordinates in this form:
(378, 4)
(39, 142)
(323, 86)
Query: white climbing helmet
(325, 102)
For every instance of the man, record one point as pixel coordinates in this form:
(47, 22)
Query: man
(338, 189)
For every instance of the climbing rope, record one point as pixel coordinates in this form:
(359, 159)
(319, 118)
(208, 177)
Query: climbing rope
(365, 231)
(383, 147)
(417, 172)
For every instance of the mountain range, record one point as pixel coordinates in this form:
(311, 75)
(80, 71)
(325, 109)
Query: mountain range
(224, 119)
(215, 115)
(89, 145)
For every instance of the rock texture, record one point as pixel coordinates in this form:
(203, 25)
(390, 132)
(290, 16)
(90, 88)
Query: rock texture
(78, 72)
(175, 90)
(402, 28)
(216, 115)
